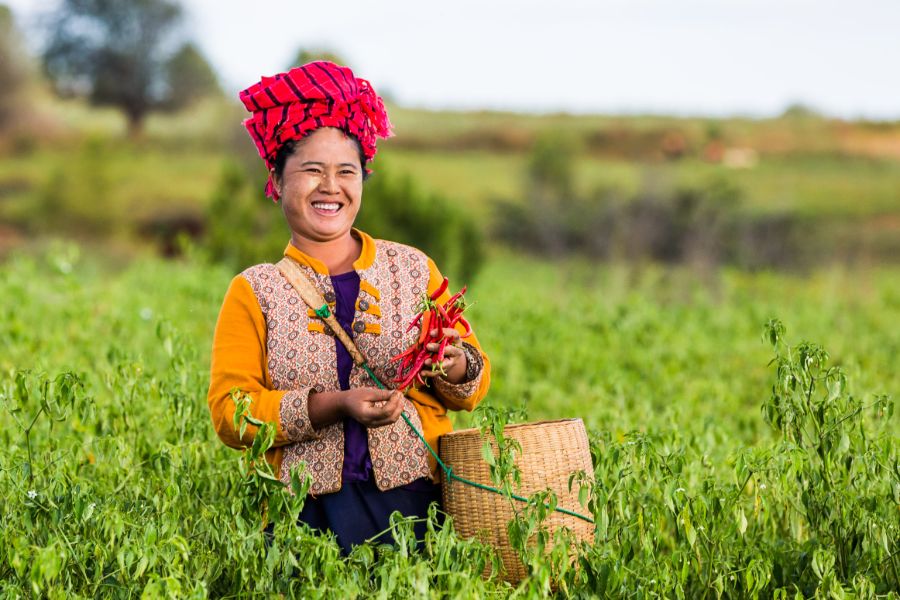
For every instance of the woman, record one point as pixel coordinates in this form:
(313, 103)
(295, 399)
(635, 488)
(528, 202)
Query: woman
(316, 128)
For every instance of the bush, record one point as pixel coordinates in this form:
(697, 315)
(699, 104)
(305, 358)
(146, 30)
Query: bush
(76, 196)
(396, 208)
(241, 229)
(700, 225)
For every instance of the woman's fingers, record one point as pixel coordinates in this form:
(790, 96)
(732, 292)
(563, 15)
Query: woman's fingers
(448, 332)
(384, 411)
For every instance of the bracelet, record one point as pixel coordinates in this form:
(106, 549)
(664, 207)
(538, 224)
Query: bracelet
(474, 362)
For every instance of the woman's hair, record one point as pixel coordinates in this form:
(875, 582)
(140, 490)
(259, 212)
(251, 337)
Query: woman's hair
(288, 148)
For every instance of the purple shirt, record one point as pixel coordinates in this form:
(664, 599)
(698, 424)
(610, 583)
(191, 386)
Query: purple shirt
(357, 461)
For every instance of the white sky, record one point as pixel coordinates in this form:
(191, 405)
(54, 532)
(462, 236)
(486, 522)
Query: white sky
(715, 57)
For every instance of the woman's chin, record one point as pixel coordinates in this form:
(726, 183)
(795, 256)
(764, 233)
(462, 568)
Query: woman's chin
(324, 232)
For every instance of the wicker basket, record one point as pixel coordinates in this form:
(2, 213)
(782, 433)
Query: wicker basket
(551, 452)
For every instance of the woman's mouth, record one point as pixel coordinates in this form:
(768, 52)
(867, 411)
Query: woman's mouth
(326, 208)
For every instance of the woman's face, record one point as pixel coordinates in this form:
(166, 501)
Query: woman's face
(321, 185)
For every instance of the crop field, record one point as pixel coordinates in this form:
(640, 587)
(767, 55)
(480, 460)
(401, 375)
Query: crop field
(734, 456)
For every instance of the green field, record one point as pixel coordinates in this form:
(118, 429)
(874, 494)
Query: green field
(697, 495)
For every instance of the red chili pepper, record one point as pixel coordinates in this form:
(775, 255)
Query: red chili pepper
(441, 289)
(404, 354)
(456, 296)
(440, 352)
(416, 369)
(407, 362)
(425, 328)
(435, 323)
(468, 327)
(445, 319)
(414, 322)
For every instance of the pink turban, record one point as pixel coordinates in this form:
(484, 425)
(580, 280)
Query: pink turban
(319, 94)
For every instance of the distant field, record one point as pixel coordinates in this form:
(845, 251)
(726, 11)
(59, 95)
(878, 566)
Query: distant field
(804, 167)
(160, 178)
(810, 186)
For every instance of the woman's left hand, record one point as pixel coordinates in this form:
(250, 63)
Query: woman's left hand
(454, 357)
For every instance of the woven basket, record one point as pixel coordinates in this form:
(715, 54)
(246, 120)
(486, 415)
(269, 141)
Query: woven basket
(551, 452)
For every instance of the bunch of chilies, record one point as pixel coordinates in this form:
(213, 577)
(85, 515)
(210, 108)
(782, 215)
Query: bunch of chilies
(431, 315)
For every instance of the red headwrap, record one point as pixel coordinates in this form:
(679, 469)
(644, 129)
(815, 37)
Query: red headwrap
(319, 94)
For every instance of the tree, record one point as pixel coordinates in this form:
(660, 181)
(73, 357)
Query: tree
(308, 55)
(13, 67)
(113, 51)
(190, 77)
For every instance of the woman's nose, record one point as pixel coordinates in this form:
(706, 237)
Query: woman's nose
(328, 183)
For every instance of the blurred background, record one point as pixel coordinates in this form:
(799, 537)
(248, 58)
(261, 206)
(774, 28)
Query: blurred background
(755, 135)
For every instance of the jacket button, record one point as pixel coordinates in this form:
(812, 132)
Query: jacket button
(330, 297)
(359, 327)
(363, 305)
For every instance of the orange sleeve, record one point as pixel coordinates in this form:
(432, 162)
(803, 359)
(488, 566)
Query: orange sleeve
(239, 362)
(465, 395)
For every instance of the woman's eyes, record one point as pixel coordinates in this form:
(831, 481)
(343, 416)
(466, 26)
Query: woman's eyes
(317, 171)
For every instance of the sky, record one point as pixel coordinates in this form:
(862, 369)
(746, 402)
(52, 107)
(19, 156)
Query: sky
(683, 57)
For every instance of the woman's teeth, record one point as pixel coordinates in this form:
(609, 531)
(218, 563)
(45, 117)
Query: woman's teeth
(327, 206)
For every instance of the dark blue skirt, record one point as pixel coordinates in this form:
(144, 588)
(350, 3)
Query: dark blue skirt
(359, 511)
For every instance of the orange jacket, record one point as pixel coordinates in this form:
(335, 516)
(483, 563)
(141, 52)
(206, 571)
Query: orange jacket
(245, 333)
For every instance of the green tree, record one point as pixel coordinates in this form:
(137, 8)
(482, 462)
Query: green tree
(308, 55)
(190, 77)
(113, 51)
(13, 67)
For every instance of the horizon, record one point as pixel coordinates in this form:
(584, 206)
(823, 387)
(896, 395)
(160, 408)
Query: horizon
(703, 59)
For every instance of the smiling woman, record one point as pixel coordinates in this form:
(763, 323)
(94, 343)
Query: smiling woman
(315, 127)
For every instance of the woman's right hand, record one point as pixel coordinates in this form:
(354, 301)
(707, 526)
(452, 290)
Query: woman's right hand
(373, 407)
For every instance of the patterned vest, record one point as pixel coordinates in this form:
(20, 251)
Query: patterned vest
(300, 353)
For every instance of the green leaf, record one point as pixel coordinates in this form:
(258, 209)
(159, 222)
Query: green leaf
(141, 567)
(266, 476)
(689, 532)
(741, 521)
(253, 420)
(844, 444)
(583, 495)
(487, 454)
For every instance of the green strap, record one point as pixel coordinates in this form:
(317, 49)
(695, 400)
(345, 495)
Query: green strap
(448, 471)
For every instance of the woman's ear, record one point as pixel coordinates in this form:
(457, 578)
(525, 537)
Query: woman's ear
(275, 181)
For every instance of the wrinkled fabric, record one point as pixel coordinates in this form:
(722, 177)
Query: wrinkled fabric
(288, 106)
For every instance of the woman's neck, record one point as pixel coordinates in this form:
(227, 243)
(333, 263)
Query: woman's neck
(337, 255)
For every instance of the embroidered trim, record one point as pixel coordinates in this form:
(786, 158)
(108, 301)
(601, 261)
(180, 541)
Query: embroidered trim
(372, 309)
(372, 328)
(295, 416)
(474, 361)
(318, 327)
(365, 286)
(461, 391)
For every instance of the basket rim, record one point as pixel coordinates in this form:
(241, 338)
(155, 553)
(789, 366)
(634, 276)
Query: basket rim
(476, 430)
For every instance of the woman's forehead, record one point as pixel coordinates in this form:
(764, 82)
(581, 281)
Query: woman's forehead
(327, 145)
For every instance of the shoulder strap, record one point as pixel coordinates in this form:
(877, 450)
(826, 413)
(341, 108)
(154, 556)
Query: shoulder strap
(310, 294)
